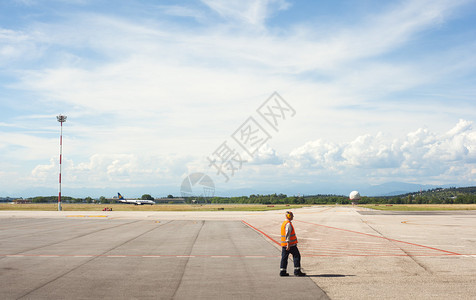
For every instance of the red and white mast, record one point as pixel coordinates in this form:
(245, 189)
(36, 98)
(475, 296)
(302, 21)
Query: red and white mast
(61, 119)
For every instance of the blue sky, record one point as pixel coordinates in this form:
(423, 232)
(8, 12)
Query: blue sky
(382, 92)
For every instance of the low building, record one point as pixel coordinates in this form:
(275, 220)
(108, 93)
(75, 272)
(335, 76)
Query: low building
(170, 200)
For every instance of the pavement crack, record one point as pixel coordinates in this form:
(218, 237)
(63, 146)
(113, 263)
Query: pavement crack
(188, 252)
(75, 237)
(56, 278)
(88, 260)
(403, 250)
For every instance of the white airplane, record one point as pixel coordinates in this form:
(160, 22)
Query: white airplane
(134, 201)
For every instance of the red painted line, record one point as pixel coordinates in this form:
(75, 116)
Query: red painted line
(381, 237)
(325, 209)
(352, 250)
(307, 254)
(373, 255)
(381, 254)
(279, 244)
(370, 250)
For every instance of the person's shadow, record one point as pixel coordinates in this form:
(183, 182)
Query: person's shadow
(330, 275)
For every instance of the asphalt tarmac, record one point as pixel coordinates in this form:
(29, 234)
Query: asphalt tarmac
(348, 253)
(101, 258)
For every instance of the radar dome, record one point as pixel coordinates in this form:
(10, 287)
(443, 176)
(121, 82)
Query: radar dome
(354, 195)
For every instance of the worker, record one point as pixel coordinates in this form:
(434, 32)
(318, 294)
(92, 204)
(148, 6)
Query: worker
(289, 245)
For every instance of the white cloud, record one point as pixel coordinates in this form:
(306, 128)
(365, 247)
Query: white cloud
(457, 145)
(117, 170)
(45, 173)
(147, 97)
(461, 128)
(26, 147)
(183, 11)
(252, 12)
(17, 46)
(420, 153)
(315, 154)
(264, 156)
(371, 152)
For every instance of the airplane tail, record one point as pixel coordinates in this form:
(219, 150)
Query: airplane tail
(119, 196)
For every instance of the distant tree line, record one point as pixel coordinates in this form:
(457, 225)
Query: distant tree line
(433, 196)
(66, 199)
(452, 195)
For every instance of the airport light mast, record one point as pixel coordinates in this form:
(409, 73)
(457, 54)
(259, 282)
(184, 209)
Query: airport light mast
(60, 119)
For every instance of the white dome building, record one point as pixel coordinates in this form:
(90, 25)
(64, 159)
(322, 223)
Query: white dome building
(354, 197)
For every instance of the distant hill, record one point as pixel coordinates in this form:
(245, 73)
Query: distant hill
(394, 188)
(445, 192)
(438, 195)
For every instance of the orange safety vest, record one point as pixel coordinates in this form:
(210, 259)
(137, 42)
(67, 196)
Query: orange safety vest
(293, 238)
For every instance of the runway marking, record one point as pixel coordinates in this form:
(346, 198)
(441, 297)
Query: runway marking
(307, 254)
(87, 216)
(332, 244)
(456, 246)
(318, 212)
(369, 243)
(381, 237)
(261, 232)
(369, 255)
(138, 256)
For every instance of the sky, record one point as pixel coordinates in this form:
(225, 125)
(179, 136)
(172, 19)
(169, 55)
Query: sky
(266, 96)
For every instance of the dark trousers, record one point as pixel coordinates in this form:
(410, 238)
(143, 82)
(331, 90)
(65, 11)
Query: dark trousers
(296, 257)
